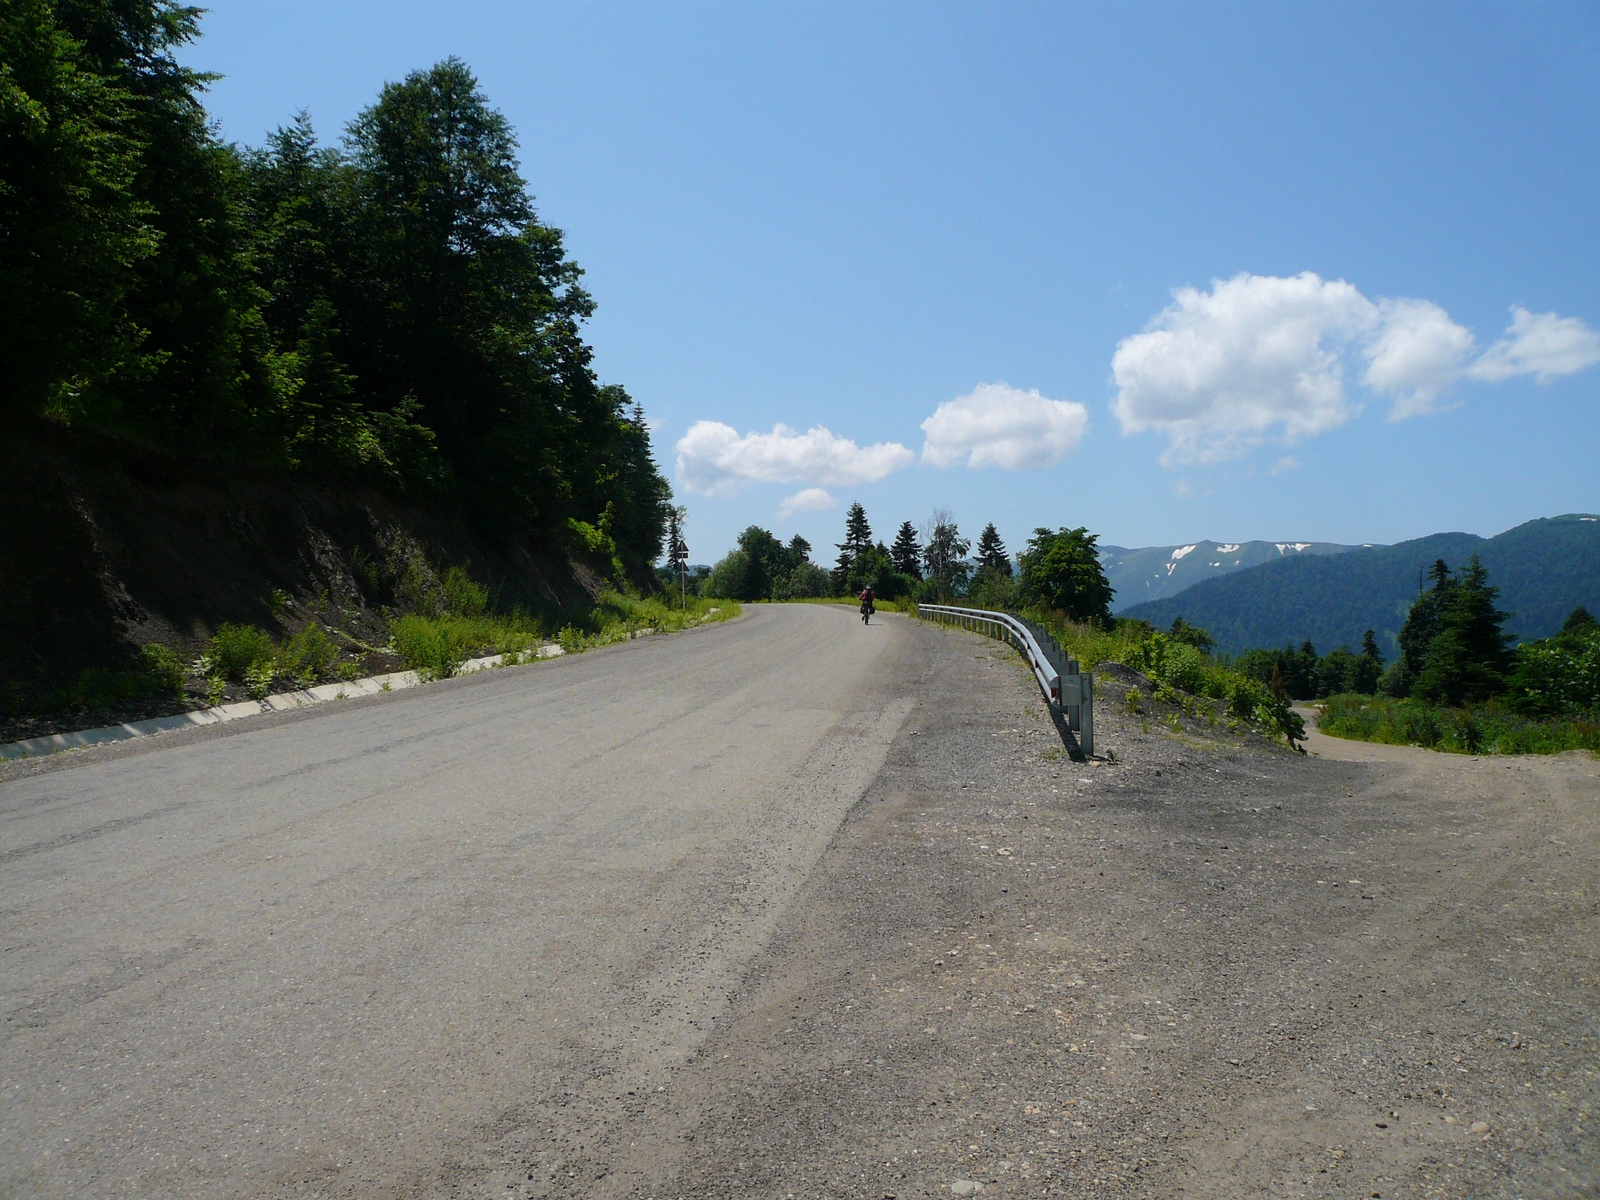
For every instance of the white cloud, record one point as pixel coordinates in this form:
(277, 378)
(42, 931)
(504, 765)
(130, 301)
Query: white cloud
(996, 425)
(1539, 344)
(1256, 357)
(806, 500)
(1287, 463)
(714, 458)
(1416, 353)
(1262, 358)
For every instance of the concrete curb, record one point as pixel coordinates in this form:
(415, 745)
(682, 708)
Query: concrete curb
(54, 743)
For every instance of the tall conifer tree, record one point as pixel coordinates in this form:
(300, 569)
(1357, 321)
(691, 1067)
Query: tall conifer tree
(906, 553)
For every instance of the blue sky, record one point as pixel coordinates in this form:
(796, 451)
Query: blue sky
(1312, 272)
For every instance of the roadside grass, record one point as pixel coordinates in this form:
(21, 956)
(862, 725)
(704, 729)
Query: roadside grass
(457, 622)
(435, 647)
(1479, 729)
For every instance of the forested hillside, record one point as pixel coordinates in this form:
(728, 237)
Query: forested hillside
(386, 310)
(1545, 569)
(1154, 572)
(307, 391)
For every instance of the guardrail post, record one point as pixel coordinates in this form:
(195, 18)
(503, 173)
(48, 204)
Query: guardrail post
(1086, 714)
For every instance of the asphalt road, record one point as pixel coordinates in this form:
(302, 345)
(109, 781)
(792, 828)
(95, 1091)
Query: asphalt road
(368, 949)
(793, 908)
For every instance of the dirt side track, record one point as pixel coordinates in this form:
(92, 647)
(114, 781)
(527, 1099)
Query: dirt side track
(1212, 968)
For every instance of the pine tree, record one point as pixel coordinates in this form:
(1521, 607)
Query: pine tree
(1422, 624)
(1579, 620)
(1369, 646)
(800, 548)
(906, 553)
(857, 541)
(1469, 656)
(678, 549)
(1366, 668)
(991, 552)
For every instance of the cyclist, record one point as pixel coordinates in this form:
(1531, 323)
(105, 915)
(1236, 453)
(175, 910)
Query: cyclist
(867, 605)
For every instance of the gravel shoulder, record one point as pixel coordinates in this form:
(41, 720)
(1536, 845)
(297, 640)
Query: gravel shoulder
(1210, 968)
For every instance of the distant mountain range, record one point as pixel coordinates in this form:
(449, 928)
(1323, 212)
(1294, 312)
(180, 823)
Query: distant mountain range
(1544, 568)
(1155, 572)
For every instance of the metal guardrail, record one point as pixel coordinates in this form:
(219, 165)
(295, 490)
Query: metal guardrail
(1069, 691)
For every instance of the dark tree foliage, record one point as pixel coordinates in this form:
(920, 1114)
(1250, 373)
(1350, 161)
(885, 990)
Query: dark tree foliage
(849, 568)
(1579, 620)
(1061, 570)
(1560, 675)
(762, 568)
(1469, 654)
(76, 226)
(1305, 675)
(1369, 647)
(863, 563)
(1420, 628)
(906, 552)
(990, 553)
(391, 311)
(1181, 631)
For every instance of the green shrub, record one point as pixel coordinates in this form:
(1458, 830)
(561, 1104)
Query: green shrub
(235, 649)
(1559, 676)
(435, 647)
(258, 679)
(161, 669)
(462, 596)
(308, 655)
(1178, 669)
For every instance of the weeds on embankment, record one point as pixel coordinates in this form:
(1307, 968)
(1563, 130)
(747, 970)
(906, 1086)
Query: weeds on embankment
(1478, 729)
(436, 646)
(1182, 674)
(240, 657)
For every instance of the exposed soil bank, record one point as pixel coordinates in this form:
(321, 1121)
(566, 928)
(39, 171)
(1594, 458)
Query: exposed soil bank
(109, 545)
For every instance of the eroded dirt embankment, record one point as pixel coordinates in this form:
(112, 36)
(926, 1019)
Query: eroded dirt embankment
(1211, 968)
(109, 545)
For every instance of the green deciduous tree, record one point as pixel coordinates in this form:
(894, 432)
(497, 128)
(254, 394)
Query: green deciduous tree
(1061, 570)
(1560, 675)
(75, 227)
(944, 558)
(391, 311)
